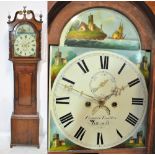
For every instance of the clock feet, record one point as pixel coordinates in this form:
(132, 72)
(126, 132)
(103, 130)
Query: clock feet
(11, 145)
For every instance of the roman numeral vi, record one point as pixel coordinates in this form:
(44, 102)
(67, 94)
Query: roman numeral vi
(99, 139)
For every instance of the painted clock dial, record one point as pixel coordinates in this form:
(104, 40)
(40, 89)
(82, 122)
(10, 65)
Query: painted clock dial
(25, 41)
(99, 100)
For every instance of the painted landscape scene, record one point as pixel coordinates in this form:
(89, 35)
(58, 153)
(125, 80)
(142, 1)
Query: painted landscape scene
(100, 28)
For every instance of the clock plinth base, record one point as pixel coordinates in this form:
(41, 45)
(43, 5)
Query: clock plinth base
(25, 130)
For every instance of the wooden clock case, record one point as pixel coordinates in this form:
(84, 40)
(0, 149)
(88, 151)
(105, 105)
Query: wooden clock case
(59, 13)
(25, 119)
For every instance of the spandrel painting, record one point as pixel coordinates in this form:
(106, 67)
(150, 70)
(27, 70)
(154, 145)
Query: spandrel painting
(100, 28)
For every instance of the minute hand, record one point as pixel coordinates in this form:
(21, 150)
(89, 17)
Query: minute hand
(80, 92)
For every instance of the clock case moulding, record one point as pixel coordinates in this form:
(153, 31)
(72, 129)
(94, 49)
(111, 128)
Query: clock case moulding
(25, 118)
(59, 13)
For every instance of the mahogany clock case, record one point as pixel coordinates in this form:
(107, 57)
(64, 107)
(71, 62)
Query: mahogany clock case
(142, 18)
(25, 119)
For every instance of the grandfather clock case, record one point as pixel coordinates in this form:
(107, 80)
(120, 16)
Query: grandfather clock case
(25, 53)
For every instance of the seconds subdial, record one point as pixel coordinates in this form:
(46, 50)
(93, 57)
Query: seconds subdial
(101, 84)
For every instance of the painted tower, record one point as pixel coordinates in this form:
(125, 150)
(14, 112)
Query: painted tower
(56, 141)
(91, 23)
(57, 59)
(140, 137)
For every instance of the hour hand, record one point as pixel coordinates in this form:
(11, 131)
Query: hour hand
(70, 88)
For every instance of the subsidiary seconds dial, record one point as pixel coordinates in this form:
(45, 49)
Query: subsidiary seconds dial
(99, 100)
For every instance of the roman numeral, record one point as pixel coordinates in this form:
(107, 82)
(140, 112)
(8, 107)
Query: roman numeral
(132, 119)
(66, 119)
(119, 72)
(80, 133)
(99, 139)
(83, 66)
(62, 100)
(119, 133)
(137, 101)
(104, 65)
(67, 80)
(133, 82)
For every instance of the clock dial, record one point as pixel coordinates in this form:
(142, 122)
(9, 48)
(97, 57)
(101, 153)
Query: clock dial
(25, 41)
(99, 99)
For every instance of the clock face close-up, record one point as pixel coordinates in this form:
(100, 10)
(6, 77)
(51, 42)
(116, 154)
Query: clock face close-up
(99, 100)
(25, 41)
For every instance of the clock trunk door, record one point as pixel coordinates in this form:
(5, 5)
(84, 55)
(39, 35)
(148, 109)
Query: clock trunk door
(25, 91)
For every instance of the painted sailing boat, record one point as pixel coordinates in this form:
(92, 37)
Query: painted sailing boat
(118, 34)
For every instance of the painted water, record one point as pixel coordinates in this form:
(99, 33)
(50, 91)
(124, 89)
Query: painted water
(108, 43)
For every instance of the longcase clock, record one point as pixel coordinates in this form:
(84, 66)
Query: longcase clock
(25, 53)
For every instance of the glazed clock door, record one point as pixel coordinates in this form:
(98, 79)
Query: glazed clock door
(25, 41)
(90, 96)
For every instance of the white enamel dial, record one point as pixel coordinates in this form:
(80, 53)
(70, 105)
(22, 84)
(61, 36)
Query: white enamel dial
(25, 45)
(99, 99)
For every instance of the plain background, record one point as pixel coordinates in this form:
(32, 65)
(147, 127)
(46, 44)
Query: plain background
(6, 77)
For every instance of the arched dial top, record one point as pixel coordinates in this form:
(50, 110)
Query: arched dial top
(25, 41)
(99, 100)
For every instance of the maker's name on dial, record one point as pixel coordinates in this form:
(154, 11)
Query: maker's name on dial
(100, 121)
